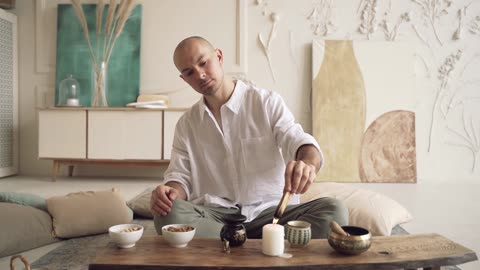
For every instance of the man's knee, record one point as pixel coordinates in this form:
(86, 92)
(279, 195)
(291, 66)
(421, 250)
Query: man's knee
(178, 215)
(334, 208)
(339, 210)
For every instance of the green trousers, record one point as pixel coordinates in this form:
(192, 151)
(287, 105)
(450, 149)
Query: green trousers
(208, 221)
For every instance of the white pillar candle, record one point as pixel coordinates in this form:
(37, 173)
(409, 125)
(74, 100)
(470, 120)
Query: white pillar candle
(72, 102)
(273, 239)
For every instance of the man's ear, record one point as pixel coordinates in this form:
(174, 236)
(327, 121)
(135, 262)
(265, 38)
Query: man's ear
(219, 55)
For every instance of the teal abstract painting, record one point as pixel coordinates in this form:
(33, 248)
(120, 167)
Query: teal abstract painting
(74, 57)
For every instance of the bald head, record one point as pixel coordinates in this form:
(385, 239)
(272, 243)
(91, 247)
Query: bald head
(187, 44)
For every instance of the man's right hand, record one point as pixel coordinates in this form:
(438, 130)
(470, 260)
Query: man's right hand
(162, 199)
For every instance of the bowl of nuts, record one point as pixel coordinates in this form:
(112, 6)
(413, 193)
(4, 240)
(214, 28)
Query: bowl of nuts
(125, 235)
(178, 235)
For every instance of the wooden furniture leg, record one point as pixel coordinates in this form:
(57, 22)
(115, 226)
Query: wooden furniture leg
(56, 168)
(24, 260)
(70, 170)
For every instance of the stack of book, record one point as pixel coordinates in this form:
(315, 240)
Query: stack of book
(156, 101)
(158, 104)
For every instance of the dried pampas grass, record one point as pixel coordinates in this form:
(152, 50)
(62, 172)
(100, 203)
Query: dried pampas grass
(121, 19)
(117, 16)
(83, 22)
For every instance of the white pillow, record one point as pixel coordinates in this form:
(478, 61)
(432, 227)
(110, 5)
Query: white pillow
(371, 210)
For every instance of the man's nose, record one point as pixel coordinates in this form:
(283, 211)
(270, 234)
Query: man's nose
(201, 74)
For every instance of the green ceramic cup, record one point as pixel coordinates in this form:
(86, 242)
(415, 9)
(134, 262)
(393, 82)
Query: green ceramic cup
(298, 233)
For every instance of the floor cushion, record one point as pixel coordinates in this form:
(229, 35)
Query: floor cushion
(368, 209)
(140, 204)
(87, 212)
(24, 199)
(23, 228)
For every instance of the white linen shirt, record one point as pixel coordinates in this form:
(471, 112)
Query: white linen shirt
(244, 165)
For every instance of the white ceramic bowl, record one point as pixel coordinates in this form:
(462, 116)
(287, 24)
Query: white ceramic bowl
(178, 239)
(124, 238)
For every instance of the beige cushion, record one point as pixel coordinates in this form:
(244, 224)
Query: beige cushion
(87, 212)
(141, 203)
(371, 210)
(23, 228)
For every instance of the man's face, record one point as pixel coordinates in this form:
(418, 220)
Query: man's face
(201, 67)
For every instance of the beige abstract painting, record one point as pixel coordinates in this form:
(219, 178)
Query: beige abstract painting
(388, 151)
(363, 110)
(339, 110)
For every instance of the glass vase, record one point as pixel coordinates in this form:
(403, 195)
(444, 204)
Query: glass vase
(100, 86)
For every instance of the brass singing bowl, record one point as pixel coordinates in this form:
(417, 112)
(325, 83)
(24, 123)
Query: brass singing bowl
(357, 242)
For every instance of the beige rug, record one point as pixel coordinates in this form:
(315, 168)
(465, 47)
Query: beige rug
(76, 253)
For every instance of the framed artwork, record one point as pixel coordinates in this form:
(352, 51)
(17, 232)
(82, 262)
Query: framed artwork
(73, 55)
(363, 110)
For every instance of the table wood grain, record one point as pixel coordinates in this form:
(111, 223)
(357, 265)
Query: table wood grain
(429, 251)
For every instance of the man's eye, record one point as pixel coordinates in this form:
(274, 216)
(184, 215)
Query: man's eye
(203, 63)
(189, 73)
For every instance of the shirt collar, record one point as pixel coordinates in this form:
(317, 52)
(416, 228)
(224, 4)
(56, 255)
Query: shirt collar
(233, 103)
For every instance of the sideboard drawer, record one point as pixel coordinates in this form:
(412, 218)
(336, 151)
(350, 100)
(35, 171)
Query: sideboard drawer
(62, 135)
(125, 135)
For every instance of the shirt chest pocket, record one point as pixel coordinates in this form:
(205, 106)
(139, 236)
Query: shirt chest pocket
(260, 154)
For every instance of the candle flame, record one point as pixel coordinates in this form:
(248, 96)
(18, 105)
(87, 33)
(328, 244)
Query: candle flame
(275, 220)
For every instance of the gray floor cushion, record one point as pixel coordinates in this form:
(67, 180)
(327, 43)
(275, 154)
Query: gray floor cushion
(23, 228)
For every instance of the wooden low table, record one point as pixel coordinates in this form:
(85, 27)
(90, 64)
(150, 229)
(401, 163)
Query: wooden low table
(428, 251)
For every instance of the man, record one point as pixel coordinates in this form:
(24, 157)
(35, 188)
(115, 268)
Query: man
(229, 155)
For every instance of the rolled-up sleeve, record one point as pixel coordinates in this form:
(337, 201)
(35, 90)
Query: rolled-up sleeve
(179, 169)
(289, 135)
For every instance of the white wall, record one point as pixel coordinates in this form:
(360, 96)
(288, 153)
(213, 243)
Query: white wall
(236, 31)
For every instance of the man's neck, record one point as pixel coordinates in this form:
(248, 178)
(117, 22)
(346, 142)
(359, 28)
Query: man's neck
(221, 97)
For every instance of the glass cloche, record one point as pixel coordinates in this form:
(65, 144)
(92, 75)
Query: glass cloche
(69, 92)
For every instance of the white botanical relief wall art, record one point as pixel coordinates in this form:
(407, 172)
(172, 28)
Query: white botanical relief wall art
(263, 5)
(267, 43)
(458, 106)
(424, 65)
(461, 13)
(466, 133)
(320, 18)
(368, 21)
(474, 26)
(440, 103)
(390, 30)
(432, 11)
(454, 81)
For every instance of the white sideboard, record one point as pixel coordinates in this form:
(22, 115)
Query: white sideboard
(74, 136)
